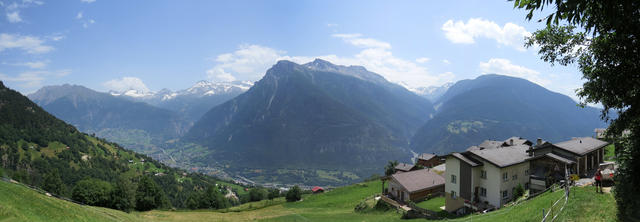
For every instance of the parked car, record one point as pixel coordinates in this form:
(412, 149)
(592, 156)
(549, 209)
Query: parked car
(488, 210)
(608, 169)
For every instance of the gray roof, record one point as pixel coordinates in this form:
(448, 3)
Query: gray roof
(581, 145)
(488, 144)
(503, 156)
(518, 141)
(466, 159)
(418, 180)
(404, 167)
(491, 144)
(555, 157)
(559, 158)
(426, 156)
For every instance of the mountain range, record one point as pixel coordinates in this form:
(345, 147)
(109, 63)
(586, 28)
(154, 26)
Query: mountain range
(191, 103)
(313, 116)
(318, 123)
(498, 107)
(139, 120)
(41, 150)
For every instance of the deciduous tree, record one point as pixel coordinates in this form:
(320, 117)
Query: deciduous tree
(602, 38)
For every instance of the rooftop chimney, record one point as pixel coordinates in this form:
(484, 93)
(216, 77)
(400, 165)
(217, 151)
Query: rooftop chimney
(530, 151)
(539, 142)
(511, 142)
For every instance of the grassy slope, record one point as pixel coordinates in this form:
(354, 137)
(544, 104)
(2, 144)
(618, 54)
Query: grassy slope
(433, 204)
(18, 203)
(336, 205)
(584, 205)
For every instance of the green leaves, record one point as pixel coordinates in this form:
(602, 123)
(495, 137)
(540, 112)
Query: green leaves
(607, 54)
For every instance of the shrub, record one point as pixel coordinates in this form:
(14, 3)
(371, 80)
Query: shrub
(294, 194)
(274, 193)
(149, 195)
(93, 192)
(257, 194)
(518, 191)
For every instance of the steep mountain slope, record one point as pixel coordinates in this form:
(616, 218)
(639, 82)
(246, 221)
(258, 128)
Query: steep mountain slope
(496, 107)
(39, 149)
(313, 116)
(392, 105)
(136, 125)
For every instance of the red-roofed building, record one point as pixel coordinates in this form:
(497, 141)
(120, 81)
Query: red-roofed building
(317, 189)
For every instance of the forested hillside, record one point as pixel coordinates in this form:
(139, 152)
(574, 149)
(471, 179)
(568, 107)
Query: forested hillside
(38, 149)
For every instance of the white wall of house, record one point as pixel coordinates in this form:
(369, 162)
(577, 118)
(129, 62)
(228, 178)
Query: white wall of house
(510, 184)
(491, 183)
(453, 168)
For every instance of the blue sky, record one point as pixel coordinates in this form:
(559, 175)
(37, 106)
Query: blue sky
(150, 45)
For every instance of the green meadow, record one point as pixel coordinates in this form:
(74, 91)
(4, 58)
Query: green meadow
(18, 203)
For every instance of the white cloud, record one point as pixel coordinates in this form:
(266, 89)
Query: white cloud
(88, 1)
(356, 40)
(465, 33)
(505, 67)
(87, 23)
(250, 62)
(34, 65)
(56, 37)
(14, 17)
(28, 2)
(332, 25)
(33, 79)
(126, 83)
(422, 60)
(79, 15)
(13, 9)
(445, 61)
(29, 44)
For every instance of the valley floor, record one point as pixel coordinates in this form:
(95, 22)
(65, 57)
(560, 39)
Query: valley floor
(18, 203)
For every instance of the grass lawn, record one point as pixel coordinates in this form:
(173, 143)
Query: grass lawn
(584, 205)
(432, 204)
(335, 205)
(587, 205)
(18, 203)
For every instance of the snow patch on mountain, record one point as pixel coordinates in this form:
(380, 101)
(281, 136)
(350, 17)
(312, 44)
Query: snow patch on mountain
(432, 93)
(200, 89)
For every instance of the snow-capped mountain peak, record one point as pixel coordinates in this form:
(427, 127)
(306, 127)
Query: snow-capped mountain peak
(199, 89)
(132, 93)
(432, 92)
(206, 88)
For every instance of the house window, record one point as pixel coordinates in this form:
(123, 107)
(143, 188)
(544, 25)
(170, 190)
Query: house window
(505, 176)
(453, 195)
(483, 192)
(526, 172)
(453, 179)
(505, 194)
(483, 174)
(515, 176)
